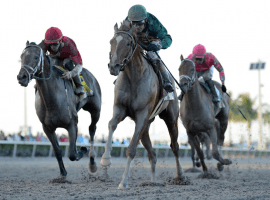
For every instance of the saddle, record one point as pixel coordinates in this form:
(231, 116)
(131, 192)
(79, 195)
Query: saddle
(207, 89)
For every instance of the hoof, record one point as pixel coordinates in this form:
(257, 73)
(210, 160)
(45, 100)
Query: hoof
(220, 167)
(105, 162)
(93, 167)
(198, 164)
(122, 186)
(84, 150)
(229, 161)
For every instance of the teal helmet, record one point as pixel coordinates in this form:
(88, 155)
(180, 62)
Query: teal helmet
(137, 13)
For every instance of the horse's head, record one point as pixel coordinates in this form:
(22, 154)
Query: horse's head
(187, 73)
(123, 45)
(32, 62)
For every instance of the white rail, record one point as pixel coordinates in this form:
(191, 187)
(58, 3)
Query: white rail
(225, 151)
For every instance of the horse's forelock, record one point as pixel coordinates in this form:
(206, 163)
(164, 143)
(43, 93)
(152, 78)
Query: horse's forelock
(125, 26)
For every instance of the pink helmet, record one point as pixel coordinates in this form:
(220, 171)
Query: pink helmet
(53, 35)
(199, 51)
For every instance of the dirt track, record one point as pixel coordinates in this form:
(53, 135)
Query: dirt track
(30, 179)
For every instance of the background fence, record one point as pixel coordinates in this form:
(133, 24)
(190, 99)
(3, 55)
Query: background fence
(44, 149)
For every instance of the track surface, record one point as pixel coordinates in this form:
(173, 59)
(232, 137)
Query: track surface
(25, 178)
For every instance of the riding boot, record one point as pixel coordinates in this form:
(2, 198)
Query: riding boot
(79, 87)
(167, 83)
(215, 99)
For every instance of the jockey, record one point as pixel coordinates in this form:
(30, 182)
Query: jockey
(205, 63)
(148, 25)
(65, 48)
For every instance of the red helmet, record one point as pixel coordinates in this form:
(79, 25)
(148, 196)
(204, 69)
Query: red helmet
(199, 51)
(53, 35)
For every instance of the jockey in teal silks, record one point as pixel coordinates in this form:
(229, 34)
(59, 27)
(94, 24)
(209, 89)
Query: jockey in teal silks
(149, 26)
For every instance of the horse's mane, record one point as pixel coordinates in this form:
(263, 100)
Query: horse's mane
(125, 26)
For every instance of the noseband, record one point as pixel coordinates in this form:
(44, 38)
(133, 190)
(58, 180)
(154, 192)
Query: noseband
(190, 80)
(39, 66)
(131, 53)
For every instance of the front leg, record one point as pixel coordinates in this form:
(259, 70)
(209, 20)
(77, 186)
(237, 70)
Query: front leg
(119, 114)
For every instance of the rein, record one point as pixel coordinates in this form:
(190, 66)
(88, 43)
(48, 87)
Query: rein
(190, 80)
(126, 60)
(39, 66)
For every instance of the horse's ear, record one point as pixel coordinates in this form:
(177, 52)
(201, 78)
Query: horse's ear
(115, 28)
(27, 43)
(181, 57)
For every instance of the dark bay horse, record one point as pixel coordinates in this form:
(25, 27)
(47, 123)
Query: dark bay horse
(136, 94)
(197, 113)
(56, 102)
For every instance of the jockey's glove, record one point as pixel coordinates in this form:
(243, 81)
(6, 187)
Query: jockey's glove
(153, 47)
(74, 72)
(224, 89)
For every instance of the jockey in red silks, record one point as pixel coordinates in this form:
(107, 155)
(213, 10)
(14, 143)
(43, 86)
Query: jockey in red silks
(65, 48)
(205, 63)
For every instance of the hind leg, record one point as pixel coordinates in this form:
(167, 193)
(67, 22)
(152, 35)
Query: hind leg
(92, 131)
(173, 130)
(192, 153)
(119, 114)
(150, 152)
(57, 151)
(196, 144)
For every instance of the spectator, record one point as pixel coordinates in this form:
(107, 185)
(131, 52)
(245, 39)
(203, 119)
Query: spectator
(9, 138)
(38, 138)
(86, 140)
(42, 138)
(80, 138)
(2, 135)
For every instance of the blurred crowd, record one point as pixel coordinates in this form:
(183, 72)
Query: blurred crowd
(41, 137)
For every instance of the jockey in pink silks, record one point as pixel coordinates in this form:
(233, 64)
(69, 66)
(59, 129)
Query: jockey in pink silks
(205, 64)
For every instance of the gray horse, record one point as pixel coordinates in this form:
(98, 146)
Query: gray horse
(197, 113)
(56, 104)
(136, 93)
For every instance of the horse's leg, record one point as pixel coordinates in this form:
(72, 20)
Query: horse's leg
(141, 123)
(92, 130)
(119, 114)
(197, 159)
(150, 152)
(72, 132)
(57, 151)
(213, 136)
(192, 153)
(196, 144)
(207, 143)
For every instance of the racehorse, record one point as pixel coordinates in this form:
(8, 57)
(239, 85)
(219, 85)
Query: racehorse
(56, 103)
(136, 93)
(198, 115)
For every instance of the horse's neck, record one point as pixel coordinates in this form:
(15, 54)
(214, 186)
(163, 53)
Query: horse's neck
(47, 88)
(136, 68)
(194, 99)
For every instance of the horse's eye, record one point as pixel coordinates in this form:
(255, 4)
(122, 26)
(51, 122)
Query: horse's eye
(36, 57)
(128, 44)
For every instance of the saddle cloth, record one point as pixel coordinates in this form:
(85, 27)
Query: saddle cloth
(85, 86)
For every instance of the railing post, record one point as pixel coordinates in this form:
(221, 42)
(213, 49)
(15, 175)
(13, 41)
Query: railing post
(186, 153)
(145, 153)
(14, 150)
(50, 152)
(122, 152)
(166, 153)
(66, 151)
(34, 150)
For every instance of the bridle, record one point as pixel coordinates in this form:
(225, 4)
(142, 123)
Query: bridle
(190, 80)
(39, 66)
(131, 53)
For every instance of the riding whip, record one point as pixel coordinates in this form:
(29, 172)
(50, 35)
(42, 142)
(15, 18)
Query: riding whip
(238, 107)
